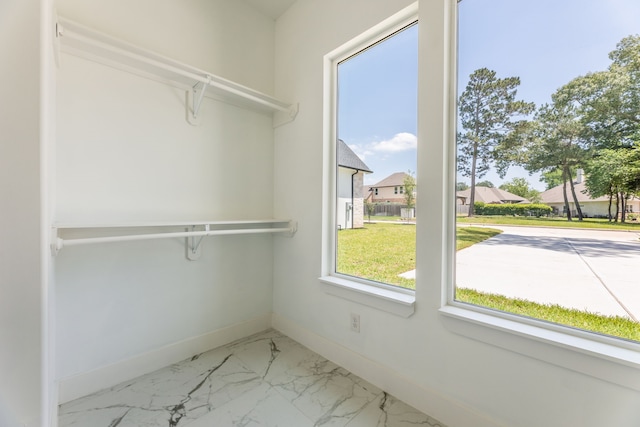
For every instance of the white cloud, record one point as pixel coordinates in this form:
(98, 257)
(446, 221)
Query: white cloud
(400, 142)
(361, 151)
(382, 149)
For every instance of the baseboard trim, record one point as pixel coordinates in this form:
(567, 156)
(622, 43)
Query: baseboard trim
(426, 400)
(83, 384)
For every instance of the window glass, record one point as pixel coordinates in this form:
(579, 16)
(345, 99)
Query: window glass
(376, 154)
(548, 161)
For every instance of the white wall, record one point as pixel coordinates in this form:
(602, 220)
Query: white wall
(126, 153)
(462, 381)
(25, 123)
(343, 219)
(224, 37)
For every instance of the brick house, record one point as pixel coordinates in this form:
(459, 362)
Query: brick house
(389, 190)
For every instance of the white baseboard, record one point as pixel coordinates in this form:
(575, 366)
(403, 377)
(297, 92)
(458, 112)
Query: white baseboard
(76, 386)
(428, 401)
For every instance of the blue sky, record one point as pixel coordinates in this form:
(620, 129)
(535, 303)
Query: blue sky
(544, 42)
(377, 105)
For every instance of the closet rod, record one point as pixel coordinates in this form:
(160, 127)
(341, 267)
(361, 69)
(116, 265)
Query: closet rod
(77, 38)
(61, 243)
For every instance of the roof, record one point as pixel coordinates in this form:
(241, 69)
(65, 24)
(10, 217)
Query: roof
(555, 194)
(348, 159)
(393, 180)
(492, 195)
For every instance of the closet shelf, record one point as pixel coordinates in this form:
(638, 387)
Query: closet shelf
(79, 40)
(121, 232)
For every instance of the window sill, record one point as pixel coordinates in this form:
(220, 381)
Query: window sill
(399, 302)
(618, 364)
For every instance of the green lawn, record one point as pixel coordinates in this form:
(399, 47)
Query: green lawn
(382, 251)
(609, 325)
(378, 252)
(594, 223)
(383, 218)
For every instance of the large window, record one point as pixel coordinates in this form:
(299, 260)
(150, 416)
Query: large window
(376, 125)
(548, 161)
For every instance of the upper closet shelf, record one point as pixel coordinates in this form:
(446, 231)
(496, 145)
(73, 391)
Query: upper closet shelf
(78, 40)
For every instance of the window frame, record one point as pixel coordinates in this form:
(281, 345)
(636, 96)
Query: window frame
(389, 298)
(600, 357)
(608, 358)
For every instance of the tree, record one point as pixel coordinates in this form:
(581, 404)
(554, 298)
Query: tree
(609, 101)
(518, 186)
(370, 208)
(615, 173)
(487, 111)
(605, 109)
(521, 187)
(485, 183)
(555, 141)
(409, 190)
(461, 186)
(553, 178)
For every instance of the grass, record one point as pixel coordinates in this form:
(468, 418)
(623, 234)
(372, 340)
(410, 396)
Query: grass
(382, 251)
(592, 223)
(383, 218)
(608, 325)
(378, 252)
(467, 236)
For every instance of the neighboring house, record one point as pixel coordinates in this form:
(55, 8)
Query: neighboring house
(389, 190)
(488, 195)
(598, 207)
(351, 170)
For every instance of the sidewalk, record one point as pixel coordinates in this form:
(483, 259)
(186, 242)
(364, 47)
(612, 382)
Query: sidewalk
(596, 271)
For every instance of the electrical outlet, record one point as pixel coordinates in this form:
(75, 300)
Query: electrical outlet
(355, 322)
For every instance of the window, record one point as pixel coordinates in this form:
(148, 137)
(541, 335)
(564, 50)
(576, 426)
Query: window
(370, 92)
(550, 118)
(376, 130)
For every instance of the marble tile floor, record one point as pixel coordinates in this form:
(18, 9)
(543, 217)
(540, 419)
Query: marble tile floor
(265, 380)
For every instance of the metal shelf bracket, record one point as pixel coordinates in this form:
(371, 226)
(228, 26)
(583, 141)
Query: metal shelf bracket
(194, 100)
(194, 250)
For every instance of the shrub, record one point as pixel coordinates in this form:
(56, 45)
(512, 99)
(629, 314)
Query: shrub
(513, 209)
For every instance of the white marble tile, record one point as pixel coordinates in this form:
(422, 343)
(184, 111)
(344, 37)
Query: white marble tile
(262, 407)
(323, 391)
(387, 411)
(172, 395)
(270, 354)
(264, 380)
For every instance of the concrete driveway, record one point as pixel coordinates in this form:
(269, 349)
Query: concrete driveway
(596, 271)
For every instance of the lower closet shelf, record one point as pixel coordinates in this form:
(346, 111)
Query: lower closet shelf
(121, 232)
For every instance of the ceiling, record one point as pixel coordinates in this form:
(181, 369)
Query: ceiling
(271, 8)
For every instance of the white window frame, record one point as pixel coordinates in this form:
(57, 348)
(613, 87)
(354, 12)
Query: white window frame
(607, 358)
(389, 298)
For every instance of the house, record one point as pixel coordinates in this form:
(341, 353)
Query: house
(489, 195)
(351, 170)
(85, 142)
(591, 207)
(389, 190)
